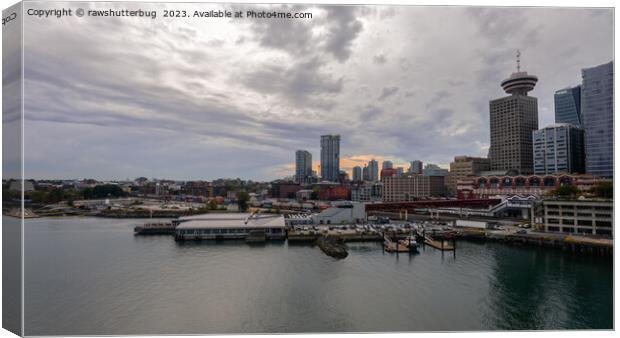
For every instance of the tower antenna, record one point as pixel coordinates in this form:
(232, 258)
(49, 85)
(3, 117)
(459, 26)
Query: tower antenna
(518, 61)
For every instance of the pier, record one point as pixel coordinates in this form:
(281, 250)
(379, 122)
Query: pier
(155, 228)
(439, 239)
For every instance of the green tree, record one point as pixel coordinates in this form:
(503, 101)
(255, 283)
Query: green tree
(242, 200)
(567, 191)
(603, 190)
(212, 205)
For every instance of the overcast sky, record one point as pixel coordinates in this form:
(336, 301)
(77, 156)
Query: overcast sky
(116, 98)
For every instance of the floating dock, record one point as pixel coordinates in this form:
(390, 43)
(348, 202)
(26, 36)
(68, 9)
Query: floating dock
(439, 244)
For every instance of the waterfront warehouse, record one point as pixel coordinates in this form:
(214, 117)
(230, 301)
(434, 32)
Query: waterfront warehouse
(231, 226)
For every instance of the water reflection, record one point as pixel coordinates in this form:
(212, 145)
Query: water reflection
(86, 276)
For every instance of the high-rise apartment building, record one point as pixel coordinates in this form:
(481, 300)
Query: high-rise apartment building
(330, 157)
(387, 165)
(373, 170)
(303, 166)
(464, 166)
(597, 111)
(568, 106)
(559, 148)
(400, 171)
(512, 120)
(357, 174)
(415, 167)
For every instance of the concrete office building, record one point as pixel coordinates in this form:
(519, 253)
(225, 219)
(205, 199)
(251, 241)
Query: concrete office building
(303, 166)
(406, 188)
(415, 167)
(597, 111)
(568, 106)
(330, 157)
(512, 120)
(434, 170)
(357, 174)
(464, 166)
(373, 170)
(558, 148)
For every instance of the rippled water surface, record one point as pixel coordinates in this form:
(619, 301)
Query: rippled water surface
(87, 276)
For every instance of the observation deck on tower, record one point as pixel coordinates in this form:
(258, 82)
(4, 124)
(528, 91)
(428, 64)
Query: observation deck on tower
(519, 83)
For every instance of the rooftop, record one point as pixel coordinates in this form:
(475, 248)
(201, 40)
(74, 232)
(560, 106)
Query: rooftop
(236, 220)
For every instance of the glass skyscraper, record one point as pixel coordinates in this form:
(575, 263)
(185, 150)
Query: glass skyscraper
(303, 166)
(597, 110)
(558, 149)
(568, 106)
(373, 170)
(330, 157)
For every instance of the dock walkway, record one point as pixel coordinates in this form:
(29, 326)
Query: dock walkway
(441, 245)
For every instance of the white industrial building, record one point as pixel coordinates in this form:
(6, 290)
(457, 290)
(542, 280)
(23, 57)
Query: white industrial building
(342, 212)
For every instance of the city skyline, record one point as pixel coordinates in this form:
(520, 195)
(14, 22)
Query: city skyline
(241, 113)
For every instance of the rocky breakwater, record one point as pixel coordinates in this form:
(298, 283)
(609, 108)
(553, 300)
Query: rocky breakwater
(332, 246)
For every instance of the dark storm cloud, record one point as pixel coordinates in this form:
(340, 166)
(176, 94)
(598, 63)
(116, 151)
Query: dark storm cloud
(299, 82)
(292, 36)
(344, 26)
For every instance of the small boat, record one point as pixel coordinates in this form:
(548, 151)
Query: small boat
(396, 246)
(410, 242)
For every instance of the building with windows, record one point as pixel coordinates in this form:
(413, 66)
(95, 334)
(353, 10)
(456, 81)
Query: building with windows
(345, 212)
(284, 189)
(435, 170)
(579, 216)
(330, 157)
(512, 120)
(597, 111)
(230, 226)
(462, 167)
(391, 172)
(387, 165)
(415, 167)
(366, 192)
(406, 188)
(303, 166)
(373, 170)
(333, 193)
(559, 148)
(437, 186)
(357, 174)
(568, 106)
(481, 187)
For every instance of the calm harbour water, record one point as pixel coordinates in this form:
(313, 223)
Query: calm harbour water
(86, 276)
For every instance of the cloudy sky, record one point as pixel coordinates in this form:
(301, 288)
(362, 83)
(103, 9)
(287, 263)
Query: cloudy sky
(115, 98)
